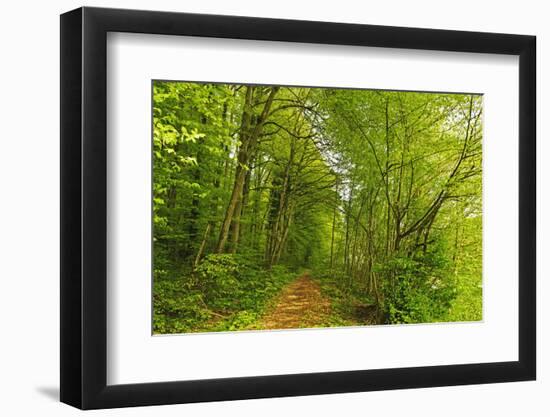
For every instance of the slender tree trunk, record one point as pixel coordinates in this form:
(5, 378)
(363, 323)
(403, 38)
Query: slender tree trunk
(387, 184)
(348, 220)
(236, 231)
(202, 246)
(333, 231)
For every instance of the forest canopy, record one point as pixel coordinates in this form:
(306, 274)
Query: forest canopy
(284, 207)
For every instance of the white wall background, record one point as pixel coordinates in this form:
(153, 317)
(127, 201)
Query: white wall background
(29, 225)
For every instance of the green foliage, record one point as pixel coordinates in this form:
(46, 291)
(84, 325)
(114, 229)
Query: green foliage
(226, 292)
(191, 135)
(177, 307)
(240, 321)
(467, 306)
(417, 289)
(220, 281)
(351, 304)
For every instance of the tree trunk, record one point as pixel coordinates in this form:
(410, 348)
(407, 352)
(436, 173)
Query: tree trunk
(249, 138)
(202, 246)
(333, 231)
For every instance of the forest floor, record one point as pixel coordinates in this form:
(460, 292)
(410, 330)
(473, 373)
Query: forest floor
(300, 304)
(304, 302)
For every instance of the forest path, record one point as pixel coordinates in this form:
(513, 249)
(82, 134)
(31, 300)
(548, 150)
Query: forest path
(300, 304)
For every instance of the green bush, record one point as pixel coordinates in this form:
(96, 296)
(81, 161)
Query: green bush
(233, 283)
(241, 320)
(348, 296)
(418, 289)
(218, 279)
(177, 308)
(225, 292)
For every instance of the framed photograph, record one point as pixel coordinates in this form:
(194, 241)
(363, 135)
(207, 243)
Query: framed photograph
(257, 208)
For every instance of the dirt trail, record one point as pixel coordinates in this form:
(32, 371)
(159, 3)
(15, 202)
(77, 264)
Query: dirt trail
(300, 304)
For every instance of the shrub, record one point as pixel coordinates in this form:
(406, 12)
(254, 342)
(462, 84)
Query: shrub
(225, 292)
(218, 280)
(176, 307)
(418, 289)
(232, 282)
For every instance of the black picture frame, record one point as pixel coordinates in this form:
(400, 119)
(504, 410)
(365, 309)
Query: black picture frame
(84, 207)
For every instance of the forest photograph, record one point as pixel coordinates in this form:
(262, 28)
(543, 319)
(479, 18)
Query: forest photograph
(285, 207)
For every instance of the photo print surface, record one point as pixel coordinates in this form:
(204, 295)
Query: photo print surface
(282, 207)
